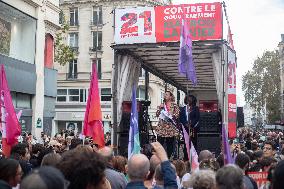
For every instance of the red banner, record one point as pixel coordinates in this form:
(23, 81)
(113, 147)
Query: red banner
(260, 178)
(232, 102)
(204, 21)
(163, 23)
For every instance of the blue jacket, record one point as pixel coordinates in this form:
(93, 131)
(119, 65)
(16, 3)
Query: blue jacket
(134, 185)
(169, 177)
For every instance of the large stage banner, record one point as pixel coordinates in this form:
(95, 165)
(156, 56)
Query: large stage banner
(204, 21)
(163, 23)
(135, 25)
(232, 102)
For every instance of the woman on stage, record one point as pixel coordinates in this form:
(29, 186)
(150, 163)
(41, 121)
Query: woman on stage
(167, 129)
(189, 117)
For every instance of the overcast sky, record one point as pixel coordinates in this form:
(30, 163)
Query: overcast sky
(257, 26)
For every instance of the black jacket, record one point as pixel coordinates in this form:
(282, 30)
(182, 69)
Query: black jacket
(4, 185)
(193, 117)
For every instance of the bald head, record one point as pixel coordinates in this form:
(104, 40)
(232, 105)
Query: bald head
(138, 167)
(204, 154)
(106, 152)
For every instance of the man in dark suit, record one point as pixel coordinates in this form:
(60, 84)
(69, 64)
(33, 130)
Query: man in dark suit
(189, 117)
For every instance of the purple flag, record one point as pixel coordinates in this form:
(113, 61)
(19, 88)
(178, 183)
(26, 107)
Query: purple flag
(134, 141)
(186, 64)
(226, 148)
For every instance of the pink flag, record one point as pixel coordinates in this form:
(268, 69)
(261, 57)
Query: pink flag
(93, 125)
(186, 140)
(191, 152)
(194, 158)
(11, 128)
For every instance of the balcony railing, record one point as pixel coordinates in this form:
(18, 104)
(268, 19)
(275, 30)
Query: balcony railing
(75, 49)
(94, 23)
(71, 76)
(94, 49)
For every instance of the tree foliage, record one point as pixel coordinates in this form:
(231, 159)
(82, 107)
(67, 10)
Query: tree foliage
(63, 52)
(261, 85)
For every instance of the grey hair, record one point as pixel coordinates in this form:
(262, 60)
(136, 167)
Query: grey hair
(138, 168)
(202, 179)
(234, 174)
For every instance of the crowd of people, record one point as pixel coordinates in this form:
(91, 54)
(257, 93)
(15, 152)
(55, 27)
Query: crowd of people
(65, 162)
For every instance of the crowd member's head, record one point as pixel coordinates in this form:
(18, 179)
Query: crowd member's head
(107, 153)
(154, 162)
(50, 159)
(269, 149)
(83, 170)
(119, 163)
(278, 176)
(75, 142)
(36, 149)
(138, 167)
(159, 176)
(21, 150)
(10, 172)
(205, 154)
(229, 177)
(254, 145)
(204, 179)
(211, 164)
(258, 155)
(55, 145)
(44, 178)
(180, 167)
(81, 148)
(43, 153)
(267, 162)
(242, 160)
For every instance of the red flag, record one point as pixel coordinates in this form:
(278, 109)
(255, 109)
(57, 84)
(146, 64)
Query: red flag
(93, 126)
(11, 128)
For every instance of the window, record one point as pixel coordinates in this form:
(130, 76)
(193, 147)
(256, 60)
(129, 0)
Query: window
(97, 16)
(72, 95)
(74, 17)
(99, 67)
(73, 72)
(140, 93)
(106, 94)
(73, 39)
(21, 100)
(97, 40)
(61, 95)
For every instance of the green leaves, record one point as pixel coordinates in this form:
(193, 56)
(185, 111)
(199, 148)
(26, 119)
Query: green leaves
(262, 84)
(63, 53)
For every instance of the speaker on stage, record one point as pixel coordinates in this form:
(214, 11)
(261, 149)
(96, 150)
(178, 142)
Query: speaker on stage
(240, 117)
(209, 141)
(209, 122)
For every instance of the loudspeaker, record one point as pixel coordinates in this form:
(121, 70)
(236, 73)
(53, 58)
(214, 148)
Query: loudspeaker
(209, 122)
(209, 141)
(240, 117)
(123, 144)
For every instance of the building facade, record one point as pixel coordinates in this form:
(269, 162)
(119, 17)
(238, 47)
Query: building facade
(27, 30)
(281, 55)
(90, 35)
